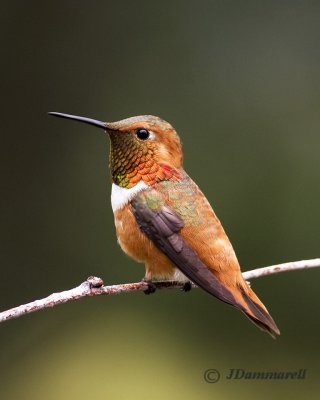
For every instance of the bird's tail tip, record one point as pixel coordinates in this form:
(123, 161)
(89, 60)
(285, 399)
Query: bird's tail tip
(270, 327)
(258, 314)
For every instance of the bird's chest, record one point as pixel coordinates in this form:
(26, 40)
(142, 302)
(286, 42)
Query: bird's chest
(130, 238)
(136, 245)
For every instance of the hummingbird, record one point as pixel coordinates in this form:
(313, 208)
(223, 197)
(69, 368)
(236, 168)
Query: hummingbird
(163, 219)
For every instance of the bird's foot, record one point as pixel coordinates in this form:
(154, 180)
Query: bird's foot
(187, 286)
(151, 287)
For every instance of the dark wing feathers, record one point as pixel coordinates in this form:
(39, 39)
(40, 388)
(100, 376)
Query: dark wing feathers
(162, 227)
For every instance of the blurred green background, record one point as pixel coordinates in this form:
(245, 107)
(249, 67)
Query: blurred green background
(240, 81)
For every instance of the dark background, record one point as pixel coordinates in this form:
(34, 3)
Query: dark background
(240, 81)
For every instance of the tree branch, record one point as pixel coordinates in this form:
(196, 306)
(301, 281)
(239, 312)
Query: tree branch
(94, 286)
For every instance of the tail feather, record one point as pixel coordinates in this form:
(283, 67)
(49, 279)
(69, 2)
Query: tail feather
(254, 309)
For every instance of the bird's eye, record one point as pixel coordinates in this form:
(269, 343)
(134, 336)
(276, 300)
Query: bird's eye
(142, 133)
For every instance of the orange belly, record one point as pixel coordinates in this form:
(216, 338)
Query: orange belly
(136, 245)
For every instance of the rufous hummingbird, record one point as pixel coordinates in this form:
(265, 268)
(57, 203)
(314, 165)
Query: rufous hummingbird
(163, 219)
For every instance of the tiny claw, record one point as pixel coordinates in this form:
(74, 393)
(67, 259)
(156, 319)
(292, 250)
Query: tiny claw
(187, 286)
(151, 288)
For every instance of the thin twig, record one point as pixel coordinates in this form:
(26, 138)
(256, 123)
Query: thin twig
(94, 286)
(274, 269)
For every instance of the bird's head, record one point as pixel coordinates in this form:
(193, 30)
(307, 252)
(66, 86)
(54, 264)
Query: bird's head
(142, 148)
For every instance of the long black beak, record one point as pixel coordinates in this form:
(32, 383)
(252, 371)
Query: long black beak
(90, 121)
